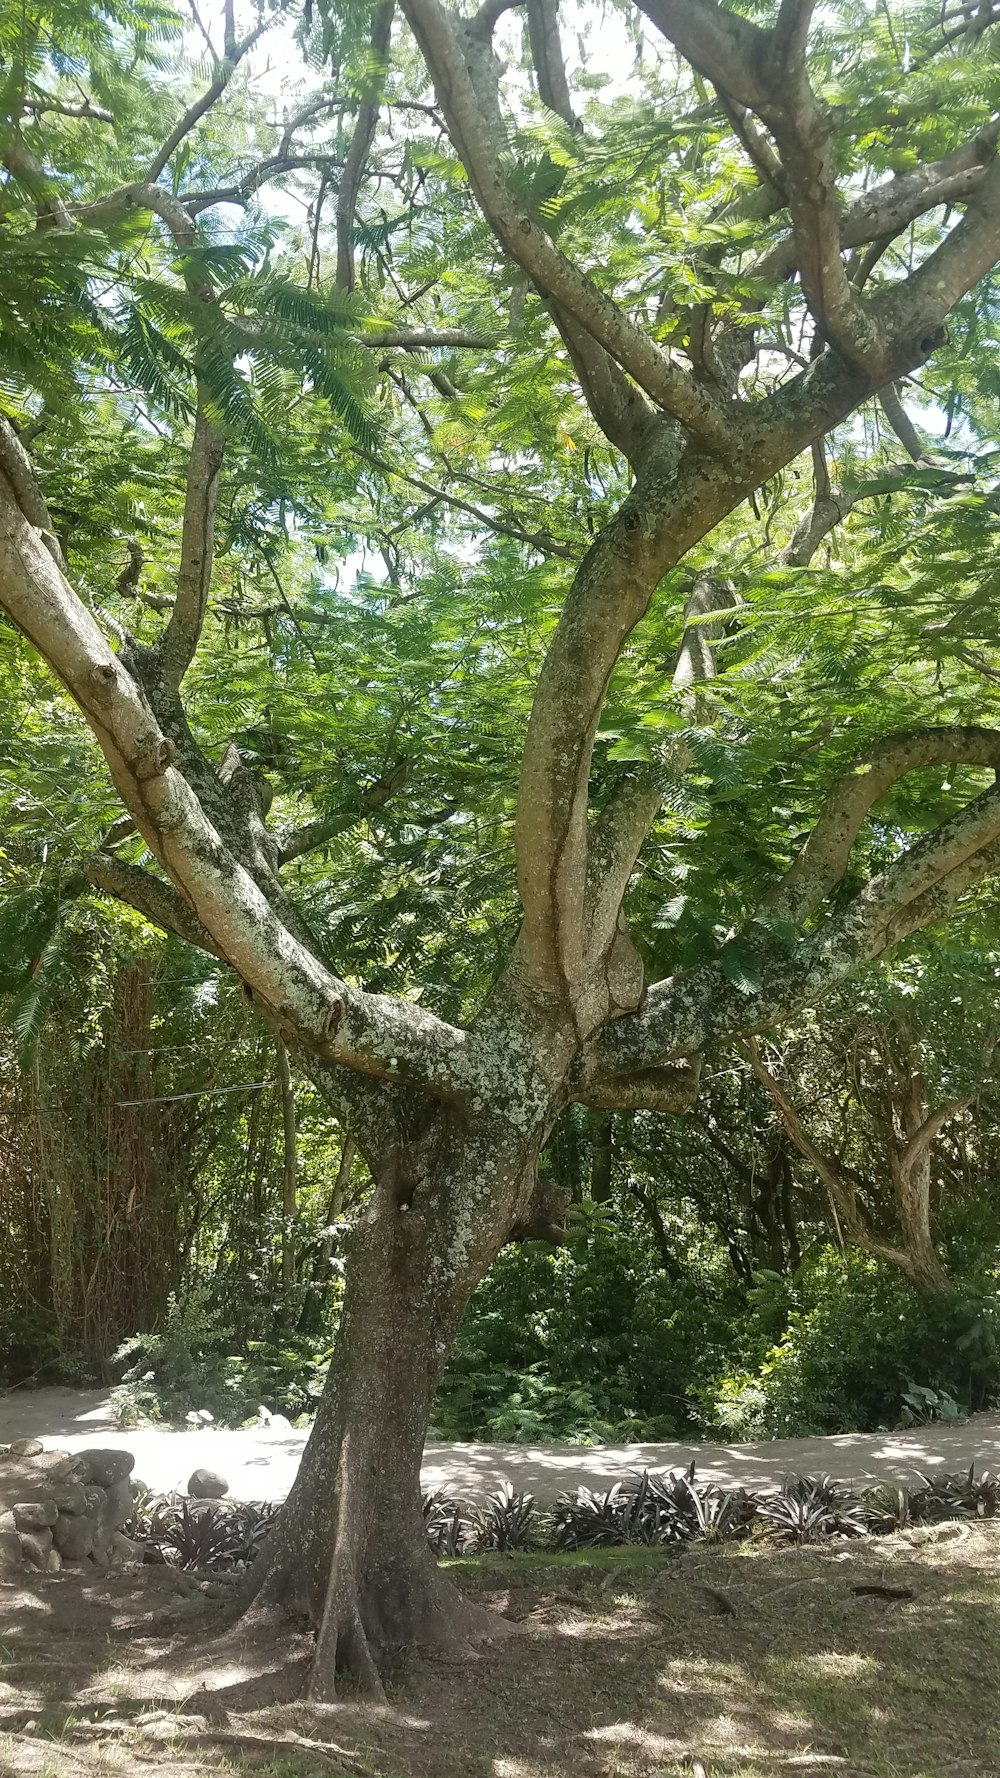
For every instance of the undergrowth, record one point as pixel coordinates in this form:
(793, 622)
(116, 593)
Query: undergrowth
(651, 1511)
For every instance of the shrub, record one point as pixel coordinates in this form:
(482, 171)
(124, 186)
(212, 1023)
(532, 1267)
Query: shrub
(857, 1337)
(188, 1368)
(588, 1343)
(662, 1511)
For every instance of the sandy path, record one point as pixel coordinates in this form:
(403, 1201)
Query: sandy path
(260, 1463)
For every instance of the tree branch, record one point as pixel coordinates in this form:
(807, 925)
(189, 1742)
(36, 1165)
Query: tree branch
(887, 209)
(307, 838)
(616, 840)
(673, 1089)
(843, 1199)
(713, 1002)
(527, 242)
(547, 57)
(178, 644)
(361, 141)
(826, 1169)
(234, 54)
(39, 107)
(306, 1001)
(617, 837)
(902, 425)
(722, 45)
(416, 339)
(921, 302)
(157, 901)
(695, 663)
(621, 410)
(767, 72)
(15, 467)
(931, 1127)
(823, 860)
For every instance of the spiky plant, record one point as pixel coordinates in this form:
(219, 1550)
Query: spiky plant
(508, 1521)
(448, 1524)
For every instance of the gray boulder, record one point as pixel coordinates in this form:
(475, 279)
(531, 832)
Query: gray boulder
(35, 1515)
(74, 1537)
(106, 1467)
(36, 1547)
(204, 1484)
(69, 1497)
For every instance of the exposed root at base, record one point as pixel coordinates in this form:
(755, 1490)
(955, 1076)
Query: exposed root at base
(448, 1627)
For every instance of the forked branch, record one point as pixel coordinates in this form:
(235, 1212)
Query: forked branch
(757, 979)
(527, 242)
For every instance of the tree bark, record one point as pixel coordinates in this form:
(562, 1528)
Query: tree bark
(289, 1169)
(350, 1552)
(602, 1158)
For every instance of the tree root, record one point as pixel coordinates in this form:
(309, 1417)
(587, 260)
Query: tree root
(427, 1614)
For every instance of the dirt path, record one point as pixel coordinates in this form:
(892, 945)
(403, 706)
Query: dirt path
(260, 1463)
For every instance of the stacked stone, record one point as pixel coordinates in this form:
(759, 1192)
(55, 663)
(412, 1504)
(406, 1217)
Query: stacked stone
(62, 1510)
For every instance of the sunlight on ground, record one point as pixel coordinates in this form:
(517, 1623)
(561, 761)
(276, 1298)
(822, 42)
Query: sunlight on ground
(625, 1669)
(831, 1665)
(629, 1734)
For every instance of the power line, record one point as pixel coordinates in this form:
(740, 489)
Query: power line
(255, 1086)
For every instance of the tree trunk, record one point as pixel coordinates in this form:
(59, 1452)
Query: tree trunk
(350, 1552)
(289, 1170)
(911, 1180)
(602, 1164)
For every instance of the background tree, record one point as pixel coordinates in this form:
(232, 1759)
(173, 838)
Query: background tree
(915, 1052)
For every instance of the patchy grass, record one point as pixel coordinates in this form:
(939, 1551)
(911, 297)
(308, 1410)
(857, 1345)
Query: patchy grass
(744, 1661)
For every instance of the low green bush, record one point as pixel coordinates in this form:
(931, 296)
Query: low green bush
(655, 1511)
(861, 1350)
(189, 1370)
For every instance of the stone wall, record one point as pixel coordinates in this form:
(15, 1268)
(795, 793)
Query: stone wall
(64, 1510)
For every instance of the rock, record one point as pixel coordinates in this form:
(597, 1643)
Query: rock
(66, 1467)
(106, 1467)
(204, 1484)
(35, 1547)
(35, 1515)
(124, 1550)
(53, 1562)
(118, 1503)
(26, 1447)
(69, 1497)
(10, 1550)
(74, 1536)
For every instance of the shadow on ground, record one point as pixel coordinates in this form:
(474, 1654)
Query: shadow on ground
(627, 1664)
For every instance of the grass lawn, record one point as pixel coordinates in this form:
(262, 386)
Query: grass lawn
(742, 1662)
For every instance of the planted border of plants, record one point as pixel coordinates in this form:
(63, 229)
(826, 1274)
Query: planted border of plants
(649, 1510)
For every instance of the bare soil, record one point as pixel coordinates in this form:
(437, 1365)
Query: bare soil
(741, 1662)
(260, 1463)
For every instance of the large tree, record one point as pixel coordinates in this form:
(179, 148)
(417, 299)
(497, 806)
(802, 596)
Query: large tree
(727, 263)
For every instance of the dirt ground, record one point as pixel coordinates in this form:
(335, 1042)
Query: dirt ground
(260, 1462)
(741, 1662)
